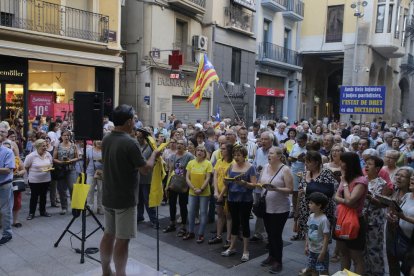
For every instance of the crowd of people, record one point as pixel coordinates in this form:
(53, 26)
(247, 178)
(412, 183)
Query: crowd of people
(217, 172)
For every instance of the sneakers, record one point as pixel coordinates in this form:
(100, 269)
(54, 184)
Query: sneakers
(226, 244)
(200, 239)
(63, 212)
(45, 214)
(215, 240)
(245, 257)
(228, 253)
(188, 236)
(30, 217)
(5, 240)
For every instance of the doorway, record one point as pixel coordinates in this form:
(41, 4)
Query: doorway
(333, 99)
(11, 101)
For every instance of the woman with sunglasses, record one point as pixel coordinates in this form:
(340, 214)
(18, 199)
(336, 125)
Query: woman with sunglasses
(178, 165)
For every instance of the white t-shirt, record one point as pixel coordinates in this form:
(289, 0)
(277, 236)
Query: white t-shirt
(36, 165)
(407, 206)
(317, 227)
(54, 139)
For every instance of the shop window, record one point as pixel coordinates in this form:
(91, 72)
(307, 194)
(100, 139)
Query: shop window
(335, 23)
(236, 65)
(6, 19)
(379, 26)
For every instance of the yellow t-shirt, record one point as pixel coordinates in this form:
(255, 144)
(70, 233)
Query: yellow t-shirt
(221, 168)
(198, 171)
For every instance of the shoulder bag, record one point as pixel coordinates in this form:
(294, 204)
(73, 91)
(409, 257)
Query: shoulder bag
(347, 222)
(18, 184)
(178, 183)
(259, 207)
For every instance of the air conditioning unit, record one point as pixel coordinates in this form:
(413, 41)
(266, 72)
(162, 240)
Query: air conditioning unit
(200, 42)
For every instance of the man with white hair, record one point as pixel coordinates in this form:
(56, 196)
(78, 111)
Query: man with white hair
(161, 129)
(280, 133)
(7, 165)
(387, 145)
(355, 132)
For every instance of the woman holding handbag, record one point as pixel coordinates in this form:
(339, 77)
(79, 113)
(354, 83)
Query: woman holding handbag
(352, 193)
(65, 157)
(278, 181)
(38, 165)
(94, 175)
(177, 188)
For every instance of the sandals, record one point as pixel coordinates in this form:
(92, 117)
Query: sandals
(170, 228)
(200, 239)
(245, 257)
(228, 253)
(17, 225)
(215, 240)
(181, 232)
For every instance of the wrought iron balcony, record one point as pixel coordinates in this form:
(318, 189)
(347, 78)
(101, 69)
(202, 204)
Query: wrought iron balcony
(192, 6)
(407, 64)
(295, 10)
(45, 17)
(272, 54)
(238, 19)
(275, 5)
(187, 51)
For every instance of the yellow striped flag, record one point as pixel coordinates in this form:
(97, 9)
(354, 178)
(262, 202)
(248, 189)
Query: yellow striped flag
(205, 75)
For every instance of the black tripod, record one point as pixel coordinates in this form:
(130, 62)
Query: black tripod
(76, 214)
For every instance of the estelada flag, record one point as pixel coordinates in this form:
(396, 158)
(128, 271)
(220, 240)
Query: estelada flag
(205, 75)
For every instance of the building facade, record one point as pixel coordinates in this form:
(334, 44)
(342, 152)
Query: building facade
(358, 43)
(147, 80)
(50, 49)
(278, 64)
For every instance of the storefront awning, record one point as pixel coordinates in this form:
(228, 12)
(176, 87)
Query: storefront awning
(270, 92)
(18, 49)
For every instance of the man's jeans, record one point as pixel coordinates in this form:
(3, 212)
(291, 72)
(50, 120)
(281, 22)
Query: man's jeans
(6, 206)
(143, 201)
(196, 202)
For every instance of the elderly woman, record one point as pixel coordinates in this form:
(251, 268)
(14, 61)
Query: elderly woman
(352, 192)
(390, 162)
(38, 165)
(240, 199)
(314, 179)
(375, 216)
(279, 184)
(198, 176)
(94, 174)
(402, 183)
(65, 156)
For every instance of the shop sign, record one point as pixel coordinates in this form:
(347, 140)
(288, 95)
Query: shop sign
(270, 92)
(41, 103)
(13, 69)
(63, 110)
(187, 92)
(166, 81)
(362, 99)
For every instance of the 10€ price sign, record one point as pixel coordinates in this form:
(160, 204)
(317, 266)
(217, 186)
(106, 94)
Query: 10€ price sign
(41, 103)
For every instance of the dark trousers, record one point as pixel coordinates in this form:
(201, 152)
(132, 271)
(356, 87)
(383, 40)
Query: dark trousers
(182, 200)
(38, 190)
(212, 208)
(143, 200)
(274, 224)
(240, 215)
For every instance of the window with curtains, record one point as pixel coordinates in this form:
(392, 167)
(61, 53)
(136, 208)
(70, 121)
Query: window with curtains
(335, 23)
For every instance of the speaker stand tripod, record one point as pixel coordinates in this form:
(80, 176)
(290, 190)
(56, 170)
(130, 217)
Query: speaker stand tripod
(76, 214)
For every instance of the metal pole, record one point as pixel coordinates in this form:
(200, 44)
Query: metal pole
(355, 72)
(231, 103)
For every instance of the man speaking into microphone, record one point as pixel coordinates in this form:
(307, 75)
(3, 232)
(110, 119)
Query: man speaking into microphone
(122, 160)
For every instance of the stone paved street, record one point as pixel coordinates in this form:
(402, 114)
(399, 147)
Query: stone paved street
(31, 252)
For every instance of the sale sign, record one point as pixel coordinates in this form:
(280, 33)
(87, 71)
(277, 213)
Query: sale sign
(40, 103)
(63, 110)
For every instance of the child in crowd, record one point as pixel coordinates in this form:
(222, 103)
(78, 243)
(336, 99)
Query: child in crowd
(317, 237)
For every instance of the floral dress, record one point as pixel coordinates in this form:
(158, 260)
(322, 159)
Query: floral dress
(324, 183)
(375, 218)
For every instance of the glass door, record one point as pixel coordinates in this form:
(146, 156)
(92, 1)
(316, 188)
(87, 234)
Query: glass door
(12, 101)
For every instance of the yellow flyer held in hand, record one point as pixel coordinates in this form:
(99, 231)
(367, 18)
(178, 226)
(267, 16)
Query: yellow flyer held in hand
(80, 193)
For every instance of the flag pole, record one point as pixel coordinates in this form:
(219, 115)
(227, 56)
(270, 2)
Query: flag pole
(231, 103)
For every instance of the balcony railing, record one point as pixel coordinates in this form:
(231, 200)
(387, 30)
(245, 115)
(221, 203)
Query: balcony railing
(275, 5)
(45, 17)
(238, 19)
(187, 51)
(295, 10)
(270, 51)
(193, 6)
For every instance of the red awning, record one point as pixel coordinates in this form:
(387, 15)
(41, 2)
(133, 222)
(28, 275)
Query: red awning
(270, 92)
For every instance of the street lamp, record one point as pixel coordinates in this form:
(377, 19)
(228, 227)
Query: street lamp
(358, 7)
